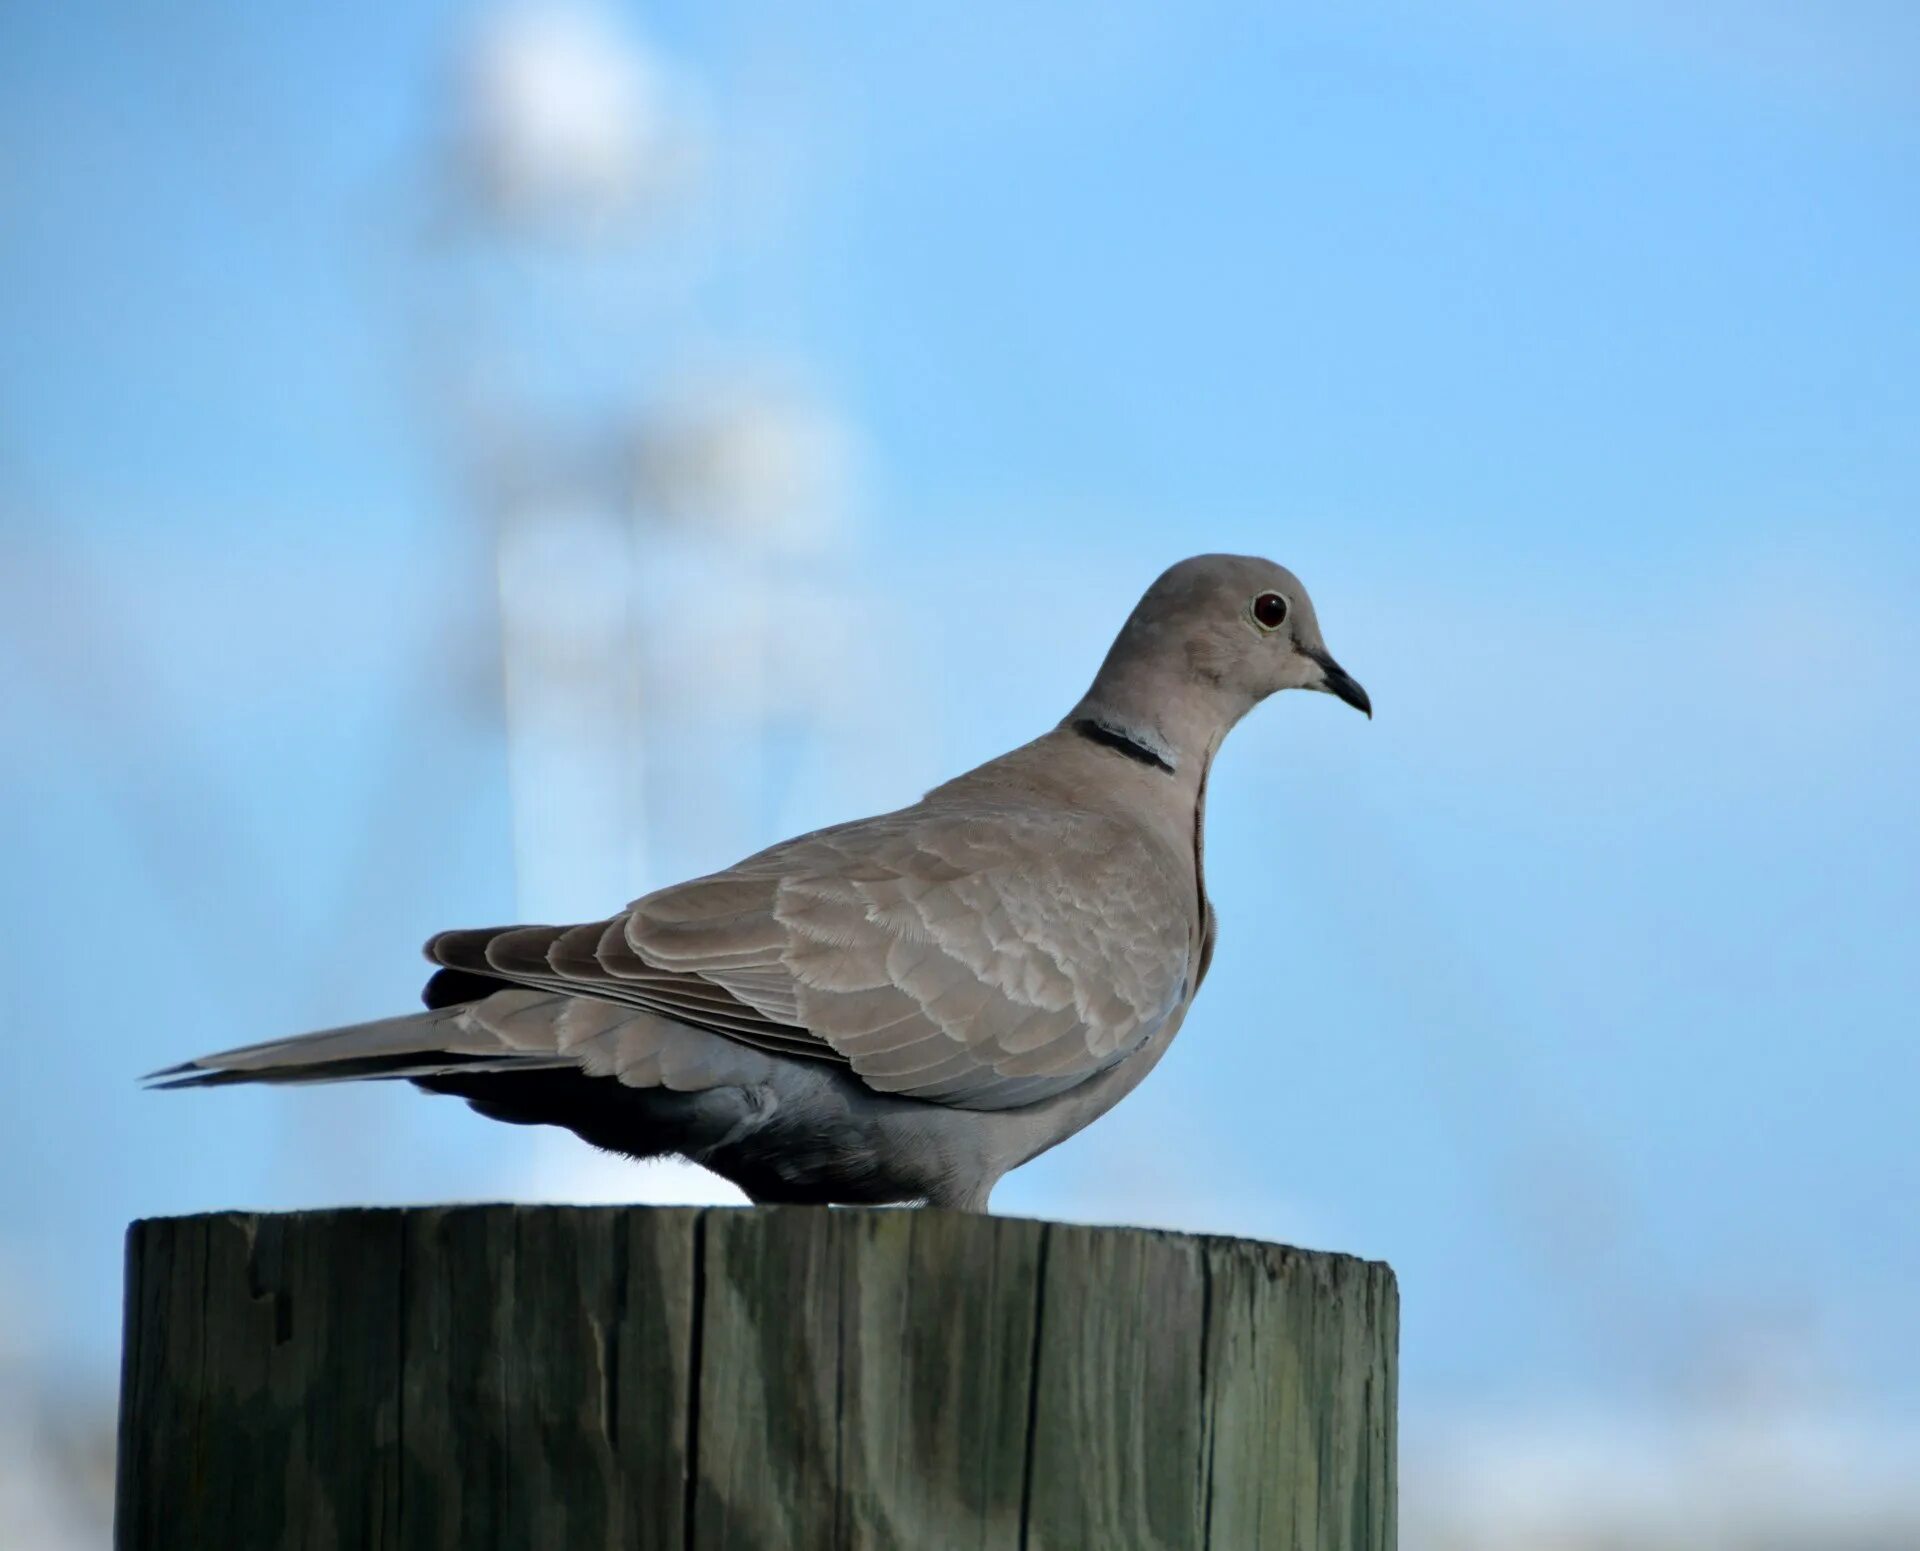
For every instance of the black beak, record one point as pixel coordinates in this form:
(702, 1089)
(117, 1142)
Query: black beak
(1336, 681)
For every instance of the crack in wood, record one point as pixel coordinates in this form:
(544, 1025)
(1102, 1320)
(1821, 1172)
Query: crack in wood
(1033, 1383)
(1208, 1420)
(695, 1340)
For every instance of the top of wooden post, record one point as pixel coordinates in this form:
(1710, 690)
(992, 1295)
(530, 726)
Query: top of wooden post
(778, 1377)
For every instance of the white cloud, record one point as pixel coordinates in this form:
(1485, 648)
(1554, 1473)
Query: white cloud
(1714, 1478)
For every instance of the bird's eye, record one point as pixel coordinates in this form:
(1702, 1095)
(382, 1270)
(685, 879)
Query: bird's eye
(1270, 611)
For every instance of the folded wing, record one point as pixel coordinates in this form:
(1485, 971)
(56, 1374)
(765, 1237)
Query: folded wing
(983, 957)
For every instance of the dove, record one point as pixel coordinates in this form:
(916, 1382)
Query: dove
(902, 1008)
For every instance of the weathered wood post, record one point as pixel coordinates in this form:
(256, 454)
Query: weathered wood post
(786, 1379)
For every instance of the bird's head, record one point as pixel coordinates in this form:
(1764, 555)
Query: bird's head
(1212, 638)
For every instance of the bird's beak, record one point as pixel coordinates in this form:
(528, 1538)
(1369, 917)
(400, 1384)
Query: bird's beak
(1335, 680)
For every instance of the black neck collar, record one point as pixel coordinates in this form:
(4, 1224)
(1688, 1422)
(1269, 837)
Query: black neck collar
(1121, 742)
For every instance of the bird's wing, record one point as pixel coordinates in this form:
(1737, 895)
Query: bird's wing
(983, 956)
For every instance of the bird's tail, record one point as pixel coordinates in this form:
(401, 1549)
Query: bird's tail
(422, 1044)
(530, 1057)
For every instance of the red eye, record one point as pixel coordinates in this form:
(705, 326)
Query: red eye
(1270, 611)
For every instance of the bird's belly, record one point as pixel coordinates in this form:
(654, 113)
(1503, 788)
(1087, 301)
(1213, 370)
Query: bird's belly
(839, 1144)
(1050, 1123)
(826, 1139)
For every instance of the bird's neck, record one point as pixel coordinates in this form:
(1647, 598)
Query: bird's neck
(1173, 727)
(1133, 744)
(1171, 755)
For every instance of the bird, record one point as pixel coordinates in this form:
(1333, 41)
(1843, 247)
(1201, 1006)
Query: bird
(900, 1009)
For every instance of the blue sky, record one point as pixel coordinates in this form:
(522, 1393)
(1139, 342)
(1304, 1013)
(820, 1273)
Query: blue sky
(1572, 363)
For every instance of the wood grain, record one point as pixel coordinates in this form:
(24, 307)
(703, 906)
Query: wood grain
(731, 1380)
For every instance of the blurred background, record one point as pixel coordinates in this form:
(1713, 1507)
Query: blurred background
(461, 464)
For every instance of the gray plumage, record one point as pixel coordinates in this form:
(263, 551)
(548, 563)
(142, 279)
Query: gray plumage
(900, 1008)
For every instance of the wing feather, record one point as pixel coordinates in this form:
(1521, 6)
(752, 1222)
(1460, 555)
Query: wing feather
(984, 956)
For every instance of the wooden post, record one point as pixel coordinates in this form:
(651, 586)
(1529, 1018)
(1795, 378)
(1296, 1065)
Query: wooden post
(792, 1379)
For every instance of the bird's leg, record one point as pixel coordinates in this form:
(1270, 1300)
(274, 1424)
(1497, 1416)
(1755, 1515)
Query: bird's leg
(960, 1194)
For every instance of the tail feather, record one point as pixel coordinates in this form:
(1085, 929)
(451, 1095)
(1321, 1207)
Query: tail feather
(414, 1045)
(192, 1074)
(621, 1077)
